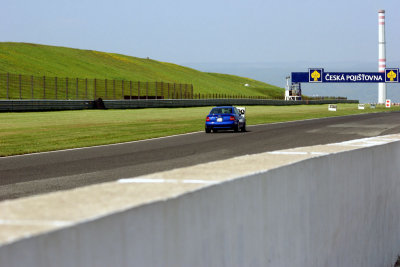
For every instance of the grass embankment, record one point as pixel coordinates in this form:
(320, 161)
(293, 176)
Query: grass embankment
(22, 133)
(52, 61)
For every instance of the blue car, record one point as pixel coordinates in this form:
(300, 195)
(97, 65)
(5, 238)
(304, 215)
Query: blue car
(226, 118)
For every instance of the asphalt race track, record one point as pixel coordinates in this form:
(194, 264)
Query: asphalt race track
(46, 172)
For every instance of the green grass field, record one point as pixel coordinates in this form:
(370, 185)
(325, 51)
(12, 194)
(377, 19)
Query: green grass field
(52, 61)
(22, 133)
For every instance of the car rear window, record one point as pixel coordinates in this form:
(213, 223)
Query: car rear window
(221, 111)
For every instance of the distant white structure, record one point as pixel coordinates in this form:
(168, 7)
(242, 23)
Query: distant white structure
(246, 84)
(292, 91)
(382, 55)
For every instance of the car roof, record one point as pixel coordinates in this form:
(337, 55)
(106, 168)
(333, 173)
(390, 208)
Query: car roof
(224, 107)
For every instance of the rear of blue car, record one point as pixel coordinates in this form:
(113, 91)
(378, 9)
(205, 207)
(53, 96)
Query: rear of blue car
(223, 118)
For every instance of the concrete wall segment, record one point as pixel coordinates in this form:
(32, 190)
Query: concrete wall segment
(332, 205)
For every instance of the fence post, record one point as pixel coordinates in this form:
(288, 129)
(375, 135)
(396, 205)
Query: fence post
(66, 88)
(185, 96)
(32, 86)
(122, 89)
(168, 89)
(174, 91)
(56, 89)
(156, 91)
(162, 90)
(147, 90)
(95, 89)
(138, 90)
(192, 90)
(8, 82)
(20, 95)
(105, 87)
(130, 90)
(77, 93)
(44, 87)
(114, 89)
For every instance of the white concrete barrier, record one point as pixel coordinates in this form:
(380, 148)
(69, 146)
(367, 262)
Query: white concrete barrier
(332, 205)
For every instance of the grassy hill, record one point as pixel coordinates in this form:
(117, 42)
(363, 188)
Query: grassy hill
(40, 60)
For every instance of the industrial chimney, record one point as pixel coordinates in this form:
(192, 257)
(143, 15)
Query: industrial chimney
(382, 55)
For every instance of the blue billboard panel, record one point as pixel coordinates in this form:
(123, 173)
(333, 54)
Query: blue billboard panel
(300, 77)
(319, 75)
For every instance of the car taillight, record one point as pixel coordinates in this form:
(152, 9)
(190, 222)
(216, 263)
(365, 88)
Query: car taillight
(208, 119)
(232, 118)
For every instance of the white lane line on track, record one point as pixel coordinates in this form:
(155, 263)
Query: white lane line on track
(116, 144)
(34, 222)
(366, 142)
(296, 153)
(288, 153)
(162, 181)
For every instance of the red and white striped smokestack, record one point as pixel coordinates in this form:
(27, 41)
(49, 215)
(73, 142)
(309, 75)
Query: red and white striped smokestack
(382, 55)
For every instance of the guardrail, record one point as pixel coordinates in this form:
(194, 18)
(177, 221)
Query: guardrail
(48, 105)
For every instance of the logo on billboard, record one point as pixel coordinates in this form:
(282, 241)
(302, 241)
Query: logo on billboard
(315, 75)
(391, 75)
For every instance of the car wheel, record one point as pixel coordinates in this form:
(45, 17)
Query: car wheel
(208, 130)
(215, 130)
(236, 128)
(244, 127)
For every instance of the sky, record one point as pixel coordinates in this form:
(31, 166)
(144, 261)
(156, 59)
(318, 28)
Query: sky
(226, 32)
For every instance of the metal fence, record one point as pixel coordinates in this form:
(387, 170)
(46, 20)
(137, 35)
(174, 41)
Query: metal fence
(17, 86)
(28, 87)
